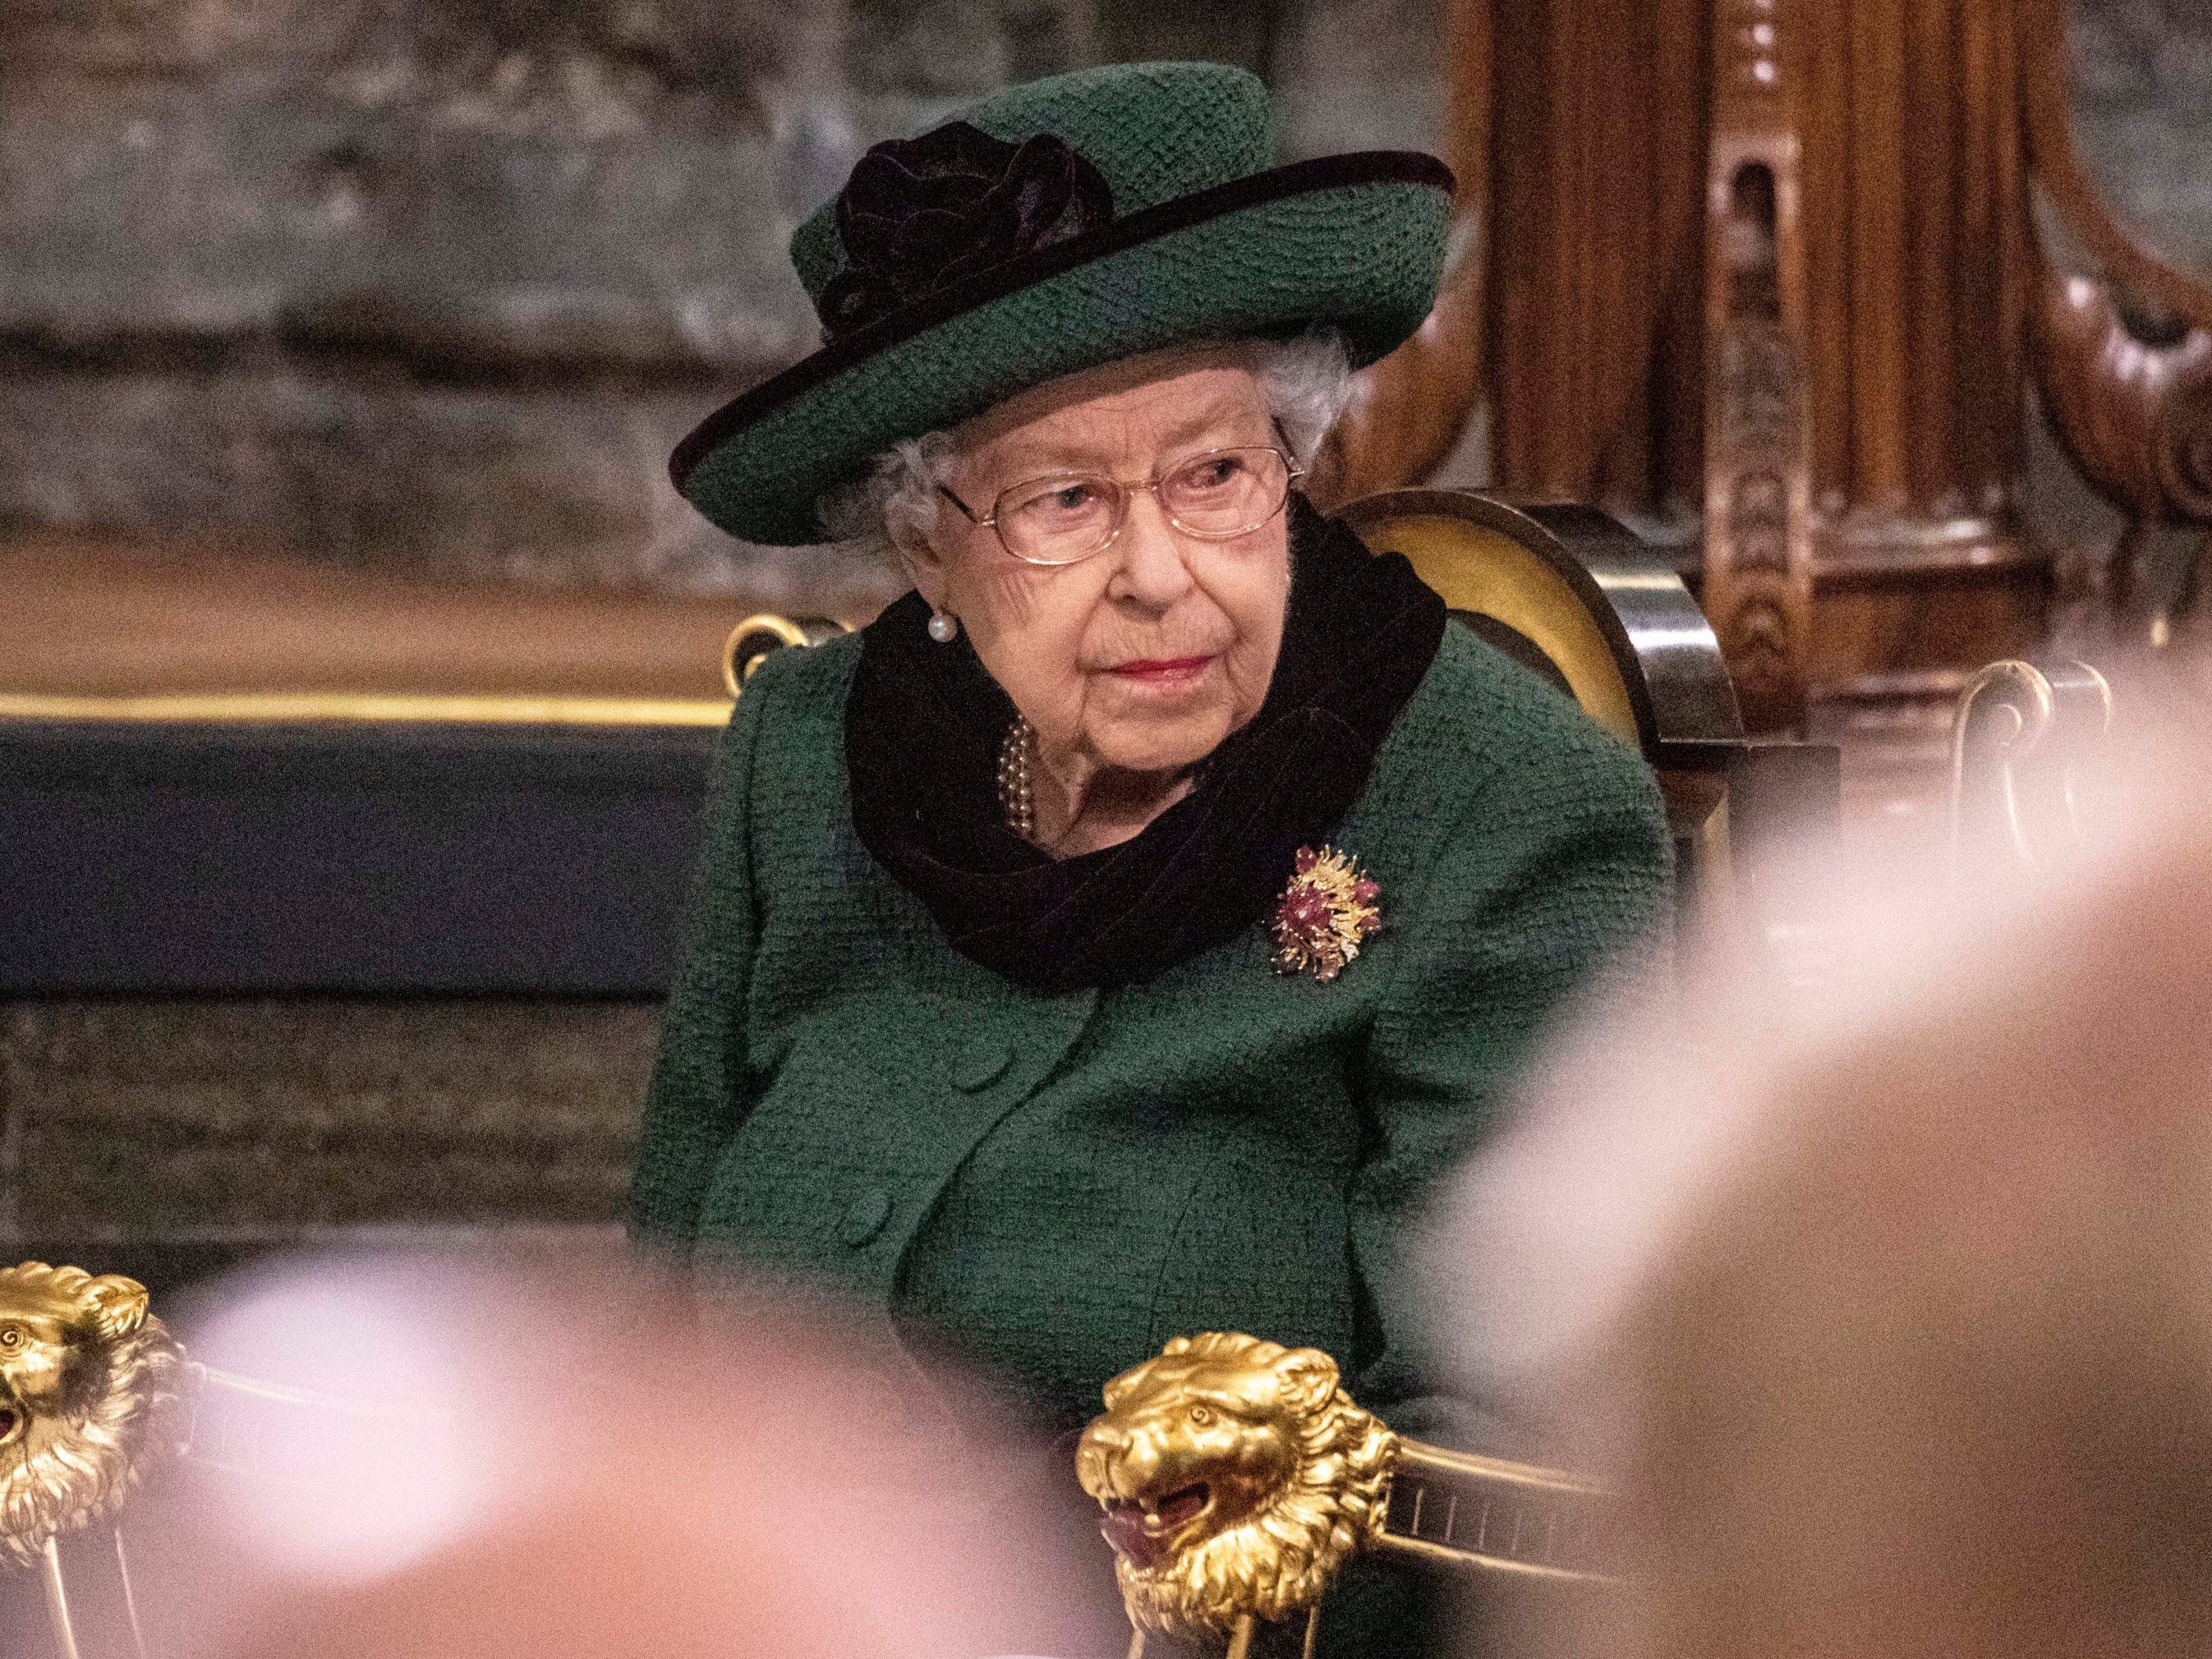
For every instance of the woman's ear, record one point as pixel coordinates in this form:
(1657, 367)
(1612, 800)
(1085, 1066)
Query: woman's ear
(923, 564)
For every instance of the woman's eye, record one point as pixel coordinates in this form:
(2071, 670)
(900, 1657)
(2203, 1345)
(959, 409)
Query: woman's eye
(1214, 473)
(10, 1337)
(1200, 1415)
(1071, 497)
(1074, 502)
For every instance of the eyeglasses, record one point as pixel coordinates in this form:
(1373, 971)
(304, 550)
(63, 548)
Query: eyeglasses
(1215, 495)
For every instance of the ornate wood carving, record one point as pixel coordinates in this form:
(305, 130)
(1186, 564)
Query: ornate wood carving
(1758, 497)
(1844, 485)
(2123, 352)
(2131, 399)
(1817, 380)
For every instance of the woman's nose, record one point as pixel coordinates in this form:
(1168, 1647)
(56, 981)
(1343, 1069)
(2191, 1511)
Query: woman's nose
(1153, 571)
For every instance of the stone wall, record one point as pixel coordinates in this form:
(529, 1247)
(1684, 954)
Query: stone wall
(168, 1138)
(438, 284)
(2142, 101)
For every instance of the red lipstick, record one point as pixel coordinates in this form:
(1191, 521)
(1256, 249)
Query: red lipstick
(1163, 670)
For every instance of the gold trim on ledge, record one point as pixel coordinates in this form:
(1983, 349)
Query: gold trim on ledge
(317, 708)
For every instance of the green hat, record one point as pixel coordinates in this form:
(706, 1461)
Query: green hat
(1051, 228)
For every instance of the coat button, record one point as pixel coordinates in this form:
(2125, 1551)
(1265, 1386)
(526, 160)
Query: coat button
(864, 1217)
(986, 1057)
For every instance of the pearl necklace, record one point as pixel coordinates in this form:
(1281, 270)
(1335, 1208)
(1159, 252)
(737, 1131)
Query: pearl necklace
(1015, 800)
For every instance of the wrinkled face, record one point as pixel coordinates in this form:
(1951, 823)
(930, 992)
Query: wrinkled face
(1187, 1450)
(1146, 656)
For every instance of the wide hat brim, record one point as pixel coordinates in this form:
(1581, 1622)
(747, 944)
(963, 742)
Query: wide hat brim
(1353, 242)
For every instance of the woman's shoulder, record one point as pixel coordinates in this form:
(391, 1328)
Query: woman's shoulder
(1493, 770)
(809, 673)
(797, 696)
(1487, 721)
(1490, 758)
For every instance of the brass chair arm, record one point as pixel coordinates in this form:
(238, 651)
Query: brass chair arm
(753, 641)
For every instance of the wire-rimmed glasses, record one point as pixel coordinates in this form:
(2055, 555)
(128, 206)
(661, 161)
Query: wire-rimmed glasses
(1215, 496)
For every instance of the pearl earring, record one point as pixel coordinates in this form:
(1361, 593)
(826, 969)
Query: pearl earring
(942, 627)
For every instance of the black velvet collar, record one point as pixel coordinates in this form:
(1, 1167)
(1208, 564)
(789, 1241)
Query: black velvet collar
(923, 723)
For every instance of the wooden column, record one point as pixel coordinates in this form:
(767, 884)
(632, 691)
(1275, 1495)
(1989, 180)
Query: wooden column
(1755, 277)
(1596, 131)
(1909, 258)
(1915, 239)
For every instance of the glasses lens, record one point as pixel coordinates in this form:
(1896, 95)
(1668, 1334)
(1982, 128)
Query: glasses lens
(1059, 520)
(1226, 492)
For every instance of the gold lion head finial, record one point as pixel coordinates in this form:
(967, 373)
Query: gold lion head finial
(91, 1392)
(1237, 1476)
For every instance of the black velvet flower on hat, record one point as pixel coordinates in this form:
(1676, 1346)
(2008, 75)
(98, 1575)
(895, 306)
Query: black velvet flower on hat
(920, 215)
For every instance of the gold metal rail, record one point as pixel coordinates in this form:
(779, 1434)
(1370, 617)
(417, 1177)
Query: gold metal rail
(315, 707)
(747, 645)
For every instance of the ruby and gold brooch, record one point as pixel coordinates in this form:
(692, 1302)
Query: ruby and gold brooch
(1323, 914)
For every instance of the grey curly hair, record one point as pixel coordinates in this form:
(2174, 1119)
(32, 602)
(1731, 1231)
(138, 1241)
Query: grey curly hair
(1307, 382)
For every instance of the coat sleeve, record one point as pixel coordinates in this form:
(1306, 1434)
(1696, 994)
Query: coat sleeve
(701, 1087)
(1560, 860)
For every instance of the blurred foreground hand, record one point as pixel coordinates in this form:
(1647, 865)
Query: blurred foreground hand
(554, 1463)
(1885, 1298)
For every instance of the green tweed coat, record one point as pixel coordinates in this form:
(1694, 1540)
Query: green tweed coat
(1062, 1183)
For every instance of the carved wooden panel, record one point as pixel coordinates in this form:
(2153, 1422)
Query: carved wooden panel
(1756, 280)
(1758, 494)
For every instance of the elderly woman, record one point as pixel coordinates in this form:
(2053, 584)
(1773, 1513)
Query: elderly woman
(1116, 938)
